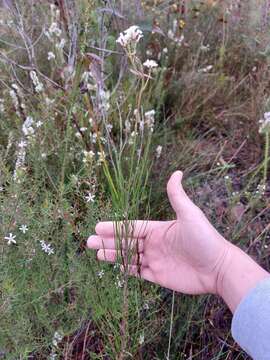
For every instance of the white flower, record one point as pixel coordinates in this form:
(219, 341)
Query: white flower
(93, 137)
(88, 156)
(158, 151)
(90, 197)
(27, 127)
(37, 84)
(39, 123)
(22, 144)
(119, 283)
(141, 339)
(23, 228)
(265, 123)
(57, 338)
(205, 48)
(146, 306)
(109, 127)
(100, 274)
(51, 55)
(10, 239)
(132, 35)
(61, 44)
(14, 98)
(49, 101)
(2, 107)
(54, 29)
(150, 64)
(206, 69)
(150, 113)
(150, 119)
(47, 248)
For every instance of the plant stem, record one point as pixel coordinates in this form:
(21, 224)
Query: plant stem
(266, 158)
(171, 325)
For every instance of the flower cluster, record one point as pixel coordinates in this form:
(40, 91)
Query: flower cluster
(37, 84)
(57, 338)
(150, 119)
(27, 127)
(54, 32)
(16, 97)
(130, 36)
(150, 64)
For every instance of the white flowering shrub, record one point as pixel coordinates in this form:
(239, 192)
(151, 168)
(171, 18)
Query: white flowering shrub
(99, 101)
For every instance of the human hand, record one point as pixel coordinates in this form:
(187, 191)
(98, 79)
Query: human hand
(186, 254)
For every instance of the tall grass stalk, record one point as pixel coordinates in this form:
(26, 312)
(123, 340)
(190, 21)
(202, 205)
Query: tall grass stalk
(266, 158)
(171, 327)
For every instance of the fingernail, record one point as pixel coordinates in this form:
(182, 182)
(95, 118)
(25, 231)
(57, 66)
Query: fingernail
(92, 240)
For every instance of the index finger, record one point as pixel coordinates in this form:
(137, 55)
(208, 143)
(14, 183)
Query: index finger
(136, 228)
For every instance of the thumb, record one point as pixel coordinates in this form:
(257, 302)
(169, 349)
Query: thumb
(177, 196)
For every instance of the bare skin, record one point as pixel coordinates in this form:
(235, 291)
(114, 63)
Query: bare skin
(187, 255)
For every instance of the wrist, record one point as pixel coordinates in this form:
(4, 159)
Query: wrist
(238, 274)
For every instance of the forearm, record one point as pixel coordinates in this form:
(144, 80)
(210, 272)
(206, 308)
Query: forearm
(239, 274)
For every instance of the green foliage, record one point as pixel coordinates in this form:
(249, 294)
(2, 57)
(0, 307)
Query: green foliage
(93, 157)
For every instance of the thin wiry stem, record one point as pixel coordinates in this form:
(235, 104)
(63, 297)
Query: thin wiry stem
(266, 158)
(171, 326)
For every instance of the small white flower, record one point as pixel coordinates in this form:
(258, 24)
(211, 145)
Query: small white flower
(57, 338)
(47, 248)
(132, 35)
(23, 228)
(88, 156)
(205, 48)
(54, 29)
(39, 123)
(10, 239)
(27, 127)
(90, 197)
(206, 69)
(51, 56)
(150, 64)
(158, 151)
(61, 44)
(22, 144)
(146, 306)
(109, 127)
(141, 339)
(150, 119)
(100, 274)
(37, 84)
(265, 123)
(119, 282)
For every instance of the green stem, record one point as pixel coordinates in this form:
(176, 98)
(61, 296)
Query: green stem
(171, 326)
(266, 158)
